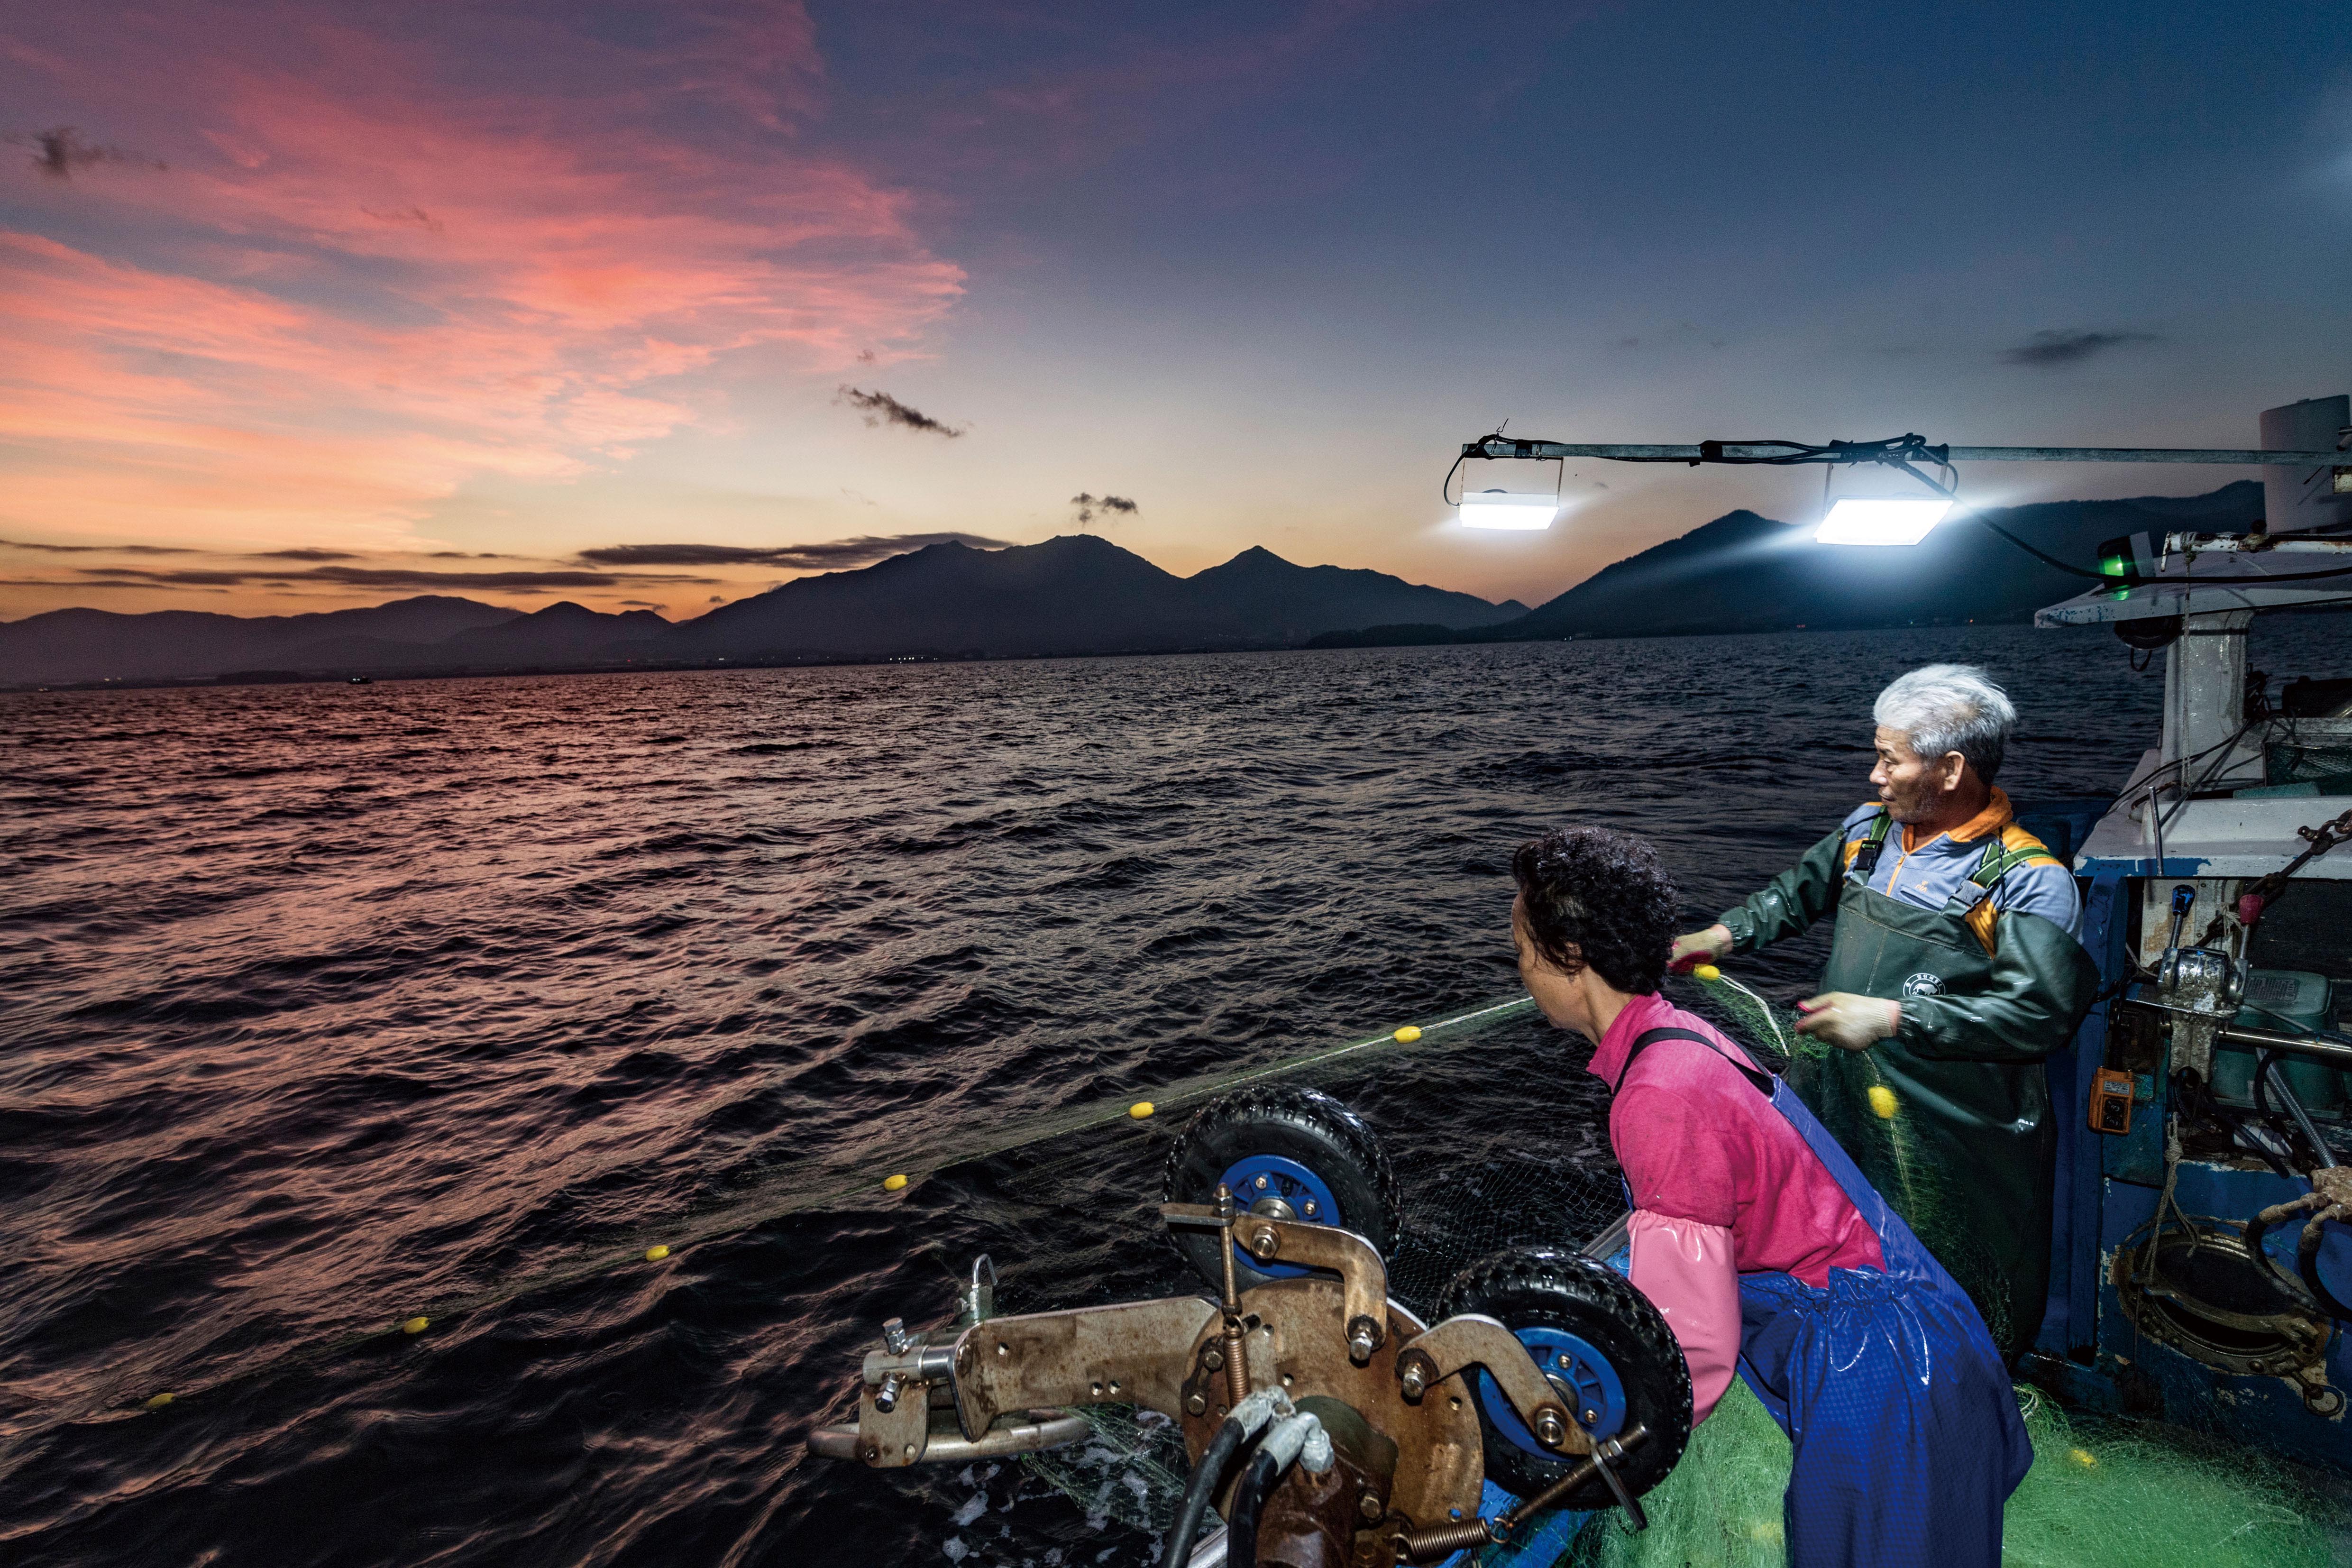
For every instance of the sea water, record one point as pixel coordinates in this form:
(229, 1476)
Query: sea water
(321, 1001)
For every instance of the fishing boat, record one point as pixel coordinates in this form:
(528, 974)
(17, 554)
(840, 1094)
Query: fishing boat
(2200, 1269)
(2201, 1263)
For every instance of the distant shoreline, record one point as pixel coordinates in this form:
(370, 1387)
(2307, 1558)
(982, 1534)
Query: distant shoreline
(1330, 642)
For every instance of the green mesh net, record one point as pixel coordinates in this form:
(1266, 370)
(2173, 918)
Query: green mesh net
(2109, 1495)
(1918, 1191)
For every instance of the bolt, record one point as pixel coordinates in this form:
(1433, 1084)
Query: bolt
(1364, 1337)
(1551, 1430)
(1266, 1244)
(1413, 1377)
(1213, 1358)
(885, 1398)
(1195, 1406)
(1368, 1507)
(1260, 1183)
(1309, 1210)
(1566, 1361)
(1590, 1416)
(895, 1337)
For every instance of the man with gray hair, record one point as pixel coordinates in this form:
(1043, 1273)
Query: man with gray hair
(1954, 970)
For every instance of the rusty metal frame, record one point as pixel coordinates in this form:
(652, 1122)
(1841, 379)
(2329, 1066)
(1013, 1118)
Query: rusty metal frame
(1363, 1316)
(1291, 1346)
(1136, 1353)
(1476, 1340)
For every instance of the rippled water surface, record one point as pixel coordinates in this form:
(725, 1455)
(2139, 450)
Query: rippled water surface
(322, 1002)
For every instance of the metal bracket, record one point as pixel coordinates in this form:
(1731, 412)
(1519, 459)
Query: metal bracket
(897, 1437)
(1606, 1456)
(1364, 1317)
(2202, 989)
(1137, 1352)
(1021, 1432)
(1476, 1340)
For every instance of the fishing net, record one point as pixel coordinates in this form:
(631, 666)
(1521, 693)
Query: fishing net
(862, 1170)
(2107, 1495)
(1890, 1150)
(1546, 1179)
(1132, 1468)
(1552, 1181)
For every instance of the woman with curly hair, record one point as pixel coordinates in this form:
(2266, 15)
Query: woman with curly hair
(1764, 1247)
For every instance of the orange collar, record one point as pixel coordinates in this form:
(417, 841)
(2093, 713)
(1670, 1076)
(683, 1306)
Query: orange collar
(1995, 817)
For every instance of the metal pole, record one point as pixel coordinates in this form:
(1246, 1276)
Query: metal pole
(2334, 1052)
(1505, 447)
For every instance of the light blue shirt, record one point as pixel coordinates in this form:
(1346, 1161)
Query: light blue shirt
(1929, 875)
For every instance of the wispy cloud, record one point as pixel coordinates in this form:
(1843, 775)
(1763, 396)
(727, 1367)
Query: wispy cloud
(2049, 350)
(834, 555)
(100, 549)
(881, 408)
(1103, 506)
(388, 577)
(60, 151)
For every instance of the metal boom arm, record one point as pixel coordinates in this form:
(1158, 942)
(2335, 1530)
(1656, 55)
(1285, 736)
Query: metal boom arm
(1776, 453)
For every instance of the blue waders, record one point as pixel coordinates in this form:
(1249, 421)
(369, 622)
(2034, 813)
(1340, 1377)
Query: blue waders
(1906, 1436)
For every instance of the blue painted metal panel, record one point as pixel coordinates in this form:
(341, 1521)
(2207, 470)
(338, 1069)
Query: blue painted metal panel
(2069, 1323)
(2150, 1379)
(2070, 1314)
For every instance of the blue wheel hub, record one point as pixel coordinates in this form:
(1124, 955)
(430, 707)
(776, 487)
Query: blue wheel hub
(1263, 1177)
(1581, 1375)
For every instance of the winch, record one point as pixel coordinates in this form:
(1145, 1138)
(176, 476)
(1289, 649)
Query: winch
(1323, 1418)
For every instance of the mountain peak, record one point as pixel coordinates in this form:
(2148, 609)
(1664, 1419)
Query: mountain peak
(1747, 573)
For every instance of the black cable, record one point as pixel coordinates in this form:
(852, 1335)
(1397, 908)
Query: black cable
(2047, 560)
(2201, 1104)
(2266, 1063)
(1249, 1498)
(1197, 1492)
(1446, 483)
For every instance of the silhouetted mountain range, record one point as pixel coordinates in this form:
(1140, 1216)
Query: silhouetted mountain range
(88, 645)
(1069, 595)
(1080, 594)
(1748, 574)
(1743, 573)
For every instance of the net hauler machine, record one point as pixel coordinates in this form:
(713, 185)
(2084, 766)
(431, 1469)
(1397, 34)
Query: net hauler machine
(1327, 1421)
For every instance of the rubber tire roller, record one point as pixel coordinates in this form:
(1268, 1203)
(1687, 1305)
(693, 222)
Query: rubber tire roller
(1303, 1125)
(1542, 1287)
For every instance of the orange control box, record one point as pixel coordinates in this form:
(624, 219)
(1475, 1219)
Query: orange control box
(2111, 1101)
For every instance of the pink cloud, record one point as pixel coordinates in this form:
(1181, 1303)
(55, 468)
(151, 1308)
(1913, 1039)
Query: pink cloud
(367, 278)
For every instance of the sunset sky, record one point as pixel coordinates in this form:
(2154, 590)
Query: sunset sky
(315, 304)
